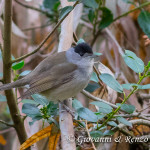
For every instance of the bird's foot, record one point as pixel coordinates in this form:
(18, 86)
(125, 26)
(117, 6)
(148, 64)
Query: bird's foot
(68, 110)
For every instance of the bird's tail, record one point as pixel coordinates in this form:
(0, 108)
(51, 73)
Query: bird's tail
(17, 83)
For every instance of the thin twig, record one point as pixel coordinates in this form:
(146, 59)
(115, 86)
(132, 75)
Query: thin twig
(6, 130)
(75, 37)
(86, 126)
(134, 122)
(33, 8)
(125, 14)
(143, 96)
(97, 99)
(7, 124)
(144, 109)
(43, 42)
(36, 27)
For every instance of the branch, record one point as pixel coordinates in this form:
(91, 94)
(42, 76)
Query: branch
(143, 96)
(7, 124)
(11, 101)
(6, 130)
(139, 115)
(125, 14)
(134, 122)
(87, 94)
(33, 8)
(86, 126)
(43, 42)
(115, 41)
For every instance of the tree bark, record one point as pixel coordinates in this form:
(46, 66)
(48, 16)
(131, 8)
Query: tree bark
(12, 102)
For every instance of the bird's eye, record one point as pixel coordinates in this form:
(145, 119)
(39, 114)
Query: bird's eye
(81, 53)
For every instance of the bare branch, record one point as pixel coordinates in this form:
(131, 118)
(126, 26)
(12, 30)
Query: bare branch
(97, 99)
(7, 124)
(86, 126)
(143, 96)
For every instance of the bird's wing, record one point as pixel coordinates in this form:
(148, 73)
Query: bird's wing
(56, 76)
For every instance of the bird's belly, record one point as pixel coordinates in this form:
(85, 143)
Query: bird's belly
(71, 88)
(65, 91)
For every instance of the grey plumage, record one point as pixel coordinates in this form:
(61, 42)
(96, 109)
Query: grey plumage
(59, 76)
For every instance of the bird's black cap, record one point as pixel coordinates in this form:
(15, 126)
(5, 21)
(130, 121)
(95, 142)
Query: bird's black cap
(83, 48)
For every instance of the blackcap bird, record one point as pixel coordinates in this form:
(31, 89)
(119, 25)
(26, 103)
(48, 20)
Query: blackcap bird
(60, 76)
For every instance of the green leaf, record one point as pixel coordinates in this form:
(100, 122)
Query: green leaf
(1, 74)
(56, 6)
(3, 98)
(34, 119)
(107, 18)
(76, 104)
(108, 132)
(124, 121)
(29, 101)
(90, 3)
(127, 108)
(112, 123)
(87, 114)
(103, 108)
(98, 54)
(18, 66)
(99, 115)
(92, 87)
(94, 77)
(91, 15)
(65, 11)
(49, 4)
(129, 86)
(132, 61)
(80, 41)
(96, 134)
(24, 73)
(30, 110)
(101, 105)
(128, 1)
(144, 22)
(111, 82)
(40, 99)
(147, 86)
(52, 109)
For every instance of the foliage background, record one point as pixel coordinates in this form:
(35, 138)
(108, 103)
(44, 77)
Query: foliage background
(99, 27)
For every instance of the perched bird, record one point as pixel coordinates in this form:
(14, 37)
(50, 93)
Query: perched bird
(60, 76)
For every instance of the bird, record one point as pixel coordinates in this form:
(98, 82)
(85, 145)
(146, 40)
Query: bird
(59, 76)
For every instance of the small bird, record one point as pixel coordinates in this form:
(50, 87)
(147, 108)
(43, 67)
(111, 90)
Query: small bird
(59, 76)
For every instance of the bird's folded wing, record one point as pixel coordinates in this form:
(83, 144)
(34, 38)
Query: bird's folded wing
(56, 76)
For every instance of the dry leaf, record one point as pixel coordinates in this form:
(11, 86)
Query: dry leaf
(37, 137)
(54, 138)
(2, 140)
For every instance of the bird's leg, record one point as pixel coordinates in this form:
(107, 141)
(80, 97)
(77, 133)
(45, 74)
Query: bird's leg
(67, 109)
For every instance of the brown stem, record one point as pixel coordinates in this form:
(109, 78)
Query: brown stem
(7, 124)
(18, 123)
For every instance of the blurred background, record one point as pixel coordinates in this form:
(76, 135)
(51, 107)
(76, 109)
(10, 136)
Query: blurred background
(30, 26)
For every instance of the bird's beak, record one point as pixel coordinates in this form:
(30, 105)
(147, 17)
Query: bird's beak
(94, 56)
